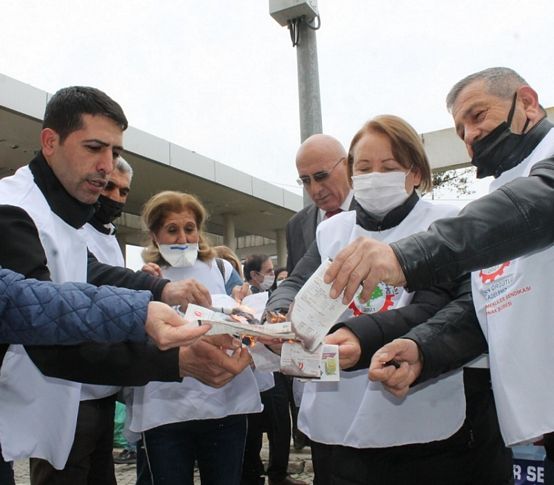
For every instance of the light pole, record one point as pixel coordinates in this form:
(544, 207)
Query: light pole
(302, 19)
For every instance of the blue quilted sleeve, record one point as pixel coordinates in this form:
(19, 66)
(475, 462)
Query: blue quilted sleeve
(44, 313)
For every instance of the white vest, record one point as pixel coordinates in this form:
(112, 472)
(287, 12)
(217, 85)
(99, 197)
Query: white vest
(513, 301)
(361, 414)
(105, 247)
(38, 414)
(160, 403)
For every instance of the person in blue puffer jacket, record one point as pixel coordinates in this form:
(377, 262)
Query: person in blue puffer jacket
(36, 312)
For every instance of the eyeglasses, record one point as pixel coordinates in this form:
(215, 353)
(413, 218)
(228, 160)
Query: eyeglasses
(318, 176)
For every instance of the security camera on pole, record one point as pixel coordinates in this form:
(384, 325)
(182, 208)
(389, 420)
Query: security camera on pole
(302, 19)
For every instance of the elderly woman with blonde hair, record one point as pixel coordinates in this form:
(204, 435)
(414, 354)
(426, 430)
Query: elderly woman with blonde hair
(189, 421)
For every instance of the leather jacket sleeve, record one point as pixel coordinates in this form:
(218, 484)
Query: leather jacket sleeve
(513, 220)
(450, 338)
(377, 329)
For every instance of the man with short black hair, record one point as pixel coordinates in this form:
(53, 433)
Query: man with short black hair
(45, 205)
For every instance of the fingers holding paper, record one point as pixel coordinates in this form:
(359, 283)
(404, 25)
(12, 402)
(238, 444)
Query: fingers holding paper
(349, 347)
(167, 329)
(209, 361)
(364, 261)
(396, 365)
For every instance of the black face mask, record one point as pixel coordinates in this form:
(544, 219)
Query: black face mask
(107, 210)
(499, 149)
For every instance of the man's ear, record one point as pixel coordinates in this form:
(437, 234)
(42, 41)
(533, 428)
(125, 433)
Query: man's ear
(530, 99)
(49, 139)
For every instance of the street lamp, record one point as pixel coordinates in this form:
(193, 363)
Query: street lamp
(300, 17)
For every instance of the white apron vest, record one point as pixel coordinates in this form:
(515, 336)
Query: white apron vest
(361, 414)
(160, 403)
(106, 249)
(104, 246)
(513, 304)
(38, 414)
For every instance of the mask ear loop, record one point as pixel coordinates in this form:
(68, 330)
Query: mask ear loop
(512, 110)
(511, 115)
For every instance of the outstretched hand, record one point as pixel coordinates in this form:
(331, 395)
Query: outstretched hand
(167, 329)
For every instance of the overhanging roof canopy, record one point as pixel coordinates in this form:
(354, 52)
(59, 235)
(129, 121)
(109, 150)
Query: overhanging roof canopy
(257, 207)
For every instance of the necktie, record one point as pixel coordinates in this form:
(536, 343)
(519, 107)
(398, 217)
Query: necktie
(329, 214)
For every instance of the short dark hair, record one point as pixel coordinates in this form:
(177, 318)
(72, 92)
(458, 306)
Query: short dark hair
(64, 111)
(254, 263)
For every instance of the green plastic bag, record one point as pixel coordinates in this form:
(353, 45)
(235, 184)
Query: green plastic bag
(119, 440)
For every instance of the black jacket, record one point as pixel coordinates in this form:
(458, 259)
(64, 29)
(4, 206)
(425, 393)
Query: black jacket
(21, 251)
(376, 329)
(300, 232)
(514, 220)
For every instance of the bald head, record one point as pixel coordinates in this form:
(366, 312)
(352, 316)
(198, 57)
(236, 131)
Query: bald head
(323, 153)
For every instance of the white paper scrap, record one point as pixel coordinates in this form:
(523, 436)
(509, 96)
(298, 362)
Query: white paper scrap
(314, 312)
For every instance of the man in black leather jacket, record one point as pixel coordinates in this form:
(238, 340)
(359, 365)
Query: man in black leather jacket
(501, 122)
(514, 220)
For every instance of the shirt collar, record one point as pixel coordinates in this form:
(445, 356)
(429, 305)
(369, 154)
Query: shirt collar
(345, 206)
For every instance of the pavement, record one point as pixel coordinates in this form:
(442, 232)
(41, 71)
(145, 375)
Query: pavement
(300, 467)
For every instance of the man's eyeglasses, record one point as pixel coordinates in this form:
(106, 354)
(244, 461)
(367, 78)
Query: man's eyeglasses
(318, 176)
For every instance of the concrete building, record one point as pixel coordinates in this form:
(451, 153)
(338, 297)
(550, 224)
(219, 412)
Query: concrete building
(246, 213)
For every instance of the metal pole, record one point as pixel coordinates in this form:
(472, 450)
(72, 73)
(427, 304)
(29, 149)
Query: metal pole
(308, 86)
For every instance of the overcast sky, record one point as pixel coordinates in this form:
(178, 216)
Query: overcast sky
(219, 76)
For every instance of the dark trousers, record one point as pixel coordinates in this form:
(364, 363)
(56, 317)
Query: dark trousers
(90, 461)
(474, 455)
(275, 419)
(6, 471)
(216, 444)
(322, 460)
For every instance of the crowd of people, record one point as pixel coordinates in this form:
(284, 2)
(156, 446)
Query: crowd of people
(445, 343)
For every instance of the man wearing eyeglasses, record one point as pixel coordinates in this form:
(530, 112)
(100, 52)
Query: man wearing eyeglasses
(321, 164)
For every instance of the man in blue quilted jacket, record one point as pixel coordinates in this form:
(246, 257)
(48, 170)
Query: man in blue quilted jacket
(42, 313)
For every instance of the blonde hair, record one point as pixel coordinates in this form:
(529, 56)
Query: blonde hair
(225, 252)
(155, 212)
(406, 145)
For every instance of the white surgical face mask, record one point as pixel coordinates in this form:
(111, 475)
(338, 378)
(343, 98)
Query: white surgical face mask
(378, 193)
(267, 282)
(179, 255)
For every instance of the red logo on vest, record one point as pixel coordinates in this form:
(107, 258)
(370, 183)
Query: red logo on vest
(488, 275)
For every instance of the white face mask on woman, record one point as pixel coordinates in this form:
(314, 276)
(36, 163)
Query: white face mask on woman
(179, 255)
(378, 193)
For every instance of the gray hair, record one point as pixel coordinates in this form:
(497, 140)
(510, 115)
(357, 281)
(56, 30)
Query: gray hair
(122, 165)
(502, 82)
